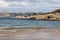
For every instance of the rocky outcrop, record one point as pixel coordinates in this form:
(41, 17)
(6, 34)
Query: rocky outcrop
(51, 16)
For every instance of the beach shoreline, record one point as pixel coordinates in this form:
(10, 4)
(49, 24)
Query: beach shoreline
(30, 34)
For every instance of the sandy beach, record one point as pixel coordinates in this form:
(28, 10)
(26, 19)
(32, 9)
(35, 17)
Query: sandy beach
(30, 34)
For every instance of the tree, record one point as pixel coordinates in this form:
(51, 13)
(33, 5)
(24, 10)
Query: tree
(34, 14)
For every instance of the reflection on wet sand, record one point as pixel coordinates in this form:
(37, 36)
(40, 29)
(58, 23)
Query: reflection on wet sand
(30, 34)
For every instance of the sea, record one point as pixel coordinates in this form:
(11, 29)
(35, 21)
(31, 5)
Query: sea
(19, 23)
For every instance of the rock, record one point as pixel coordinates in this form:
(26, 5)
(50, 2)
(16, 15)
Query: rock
(33, 18)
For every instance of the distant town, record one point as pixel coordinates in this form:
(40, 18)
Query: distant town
(54, 15)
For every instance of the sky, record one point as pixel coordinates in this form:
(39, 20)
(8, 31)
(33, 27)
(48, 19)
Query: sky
(29, 5)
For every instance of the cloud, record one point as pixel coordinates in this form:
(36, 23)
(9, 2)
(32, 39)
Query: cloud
(11, 0)
(23, 0)
(55, 1)
(3, 3)
(29, 5)
(24, 3)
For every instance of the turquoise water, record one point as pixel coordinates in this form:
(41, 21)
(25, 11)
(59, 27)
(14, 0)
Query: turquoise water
(17, 23)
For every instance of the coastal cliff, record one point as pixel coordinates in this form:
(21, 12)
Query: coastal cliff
(51, 16)
(54, 15)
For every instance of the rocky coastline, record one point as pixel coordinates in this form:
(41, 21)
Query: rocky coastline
(51, 16)
(54, 15)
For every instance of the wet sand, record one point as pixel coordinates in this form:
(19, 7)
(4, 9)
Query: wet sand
(30, 34)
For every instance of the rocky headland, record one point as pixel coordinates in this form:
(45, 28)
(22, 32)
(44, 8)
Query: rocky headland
(51, 16)
(54, 15)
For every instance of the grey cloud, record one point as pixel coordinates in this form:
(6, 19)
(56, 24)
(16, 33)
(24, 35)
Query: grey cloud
(25, 0)
(12, 0)
(14, 5)
(44, 5)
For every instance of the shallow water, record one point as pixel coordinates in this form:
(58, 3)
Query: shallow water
(17, 23)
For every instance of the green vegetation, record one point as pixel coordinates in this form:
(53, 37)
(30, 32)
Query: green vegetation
(56, 11)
